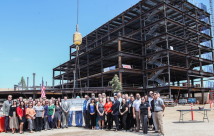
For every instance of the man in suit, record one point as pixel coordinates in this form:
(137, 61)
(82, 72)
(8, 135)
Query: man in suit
(65, 112)
(115, 112)
(6, 109)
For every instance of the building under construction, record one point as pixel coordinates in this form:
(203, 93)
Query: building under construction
(156, 45)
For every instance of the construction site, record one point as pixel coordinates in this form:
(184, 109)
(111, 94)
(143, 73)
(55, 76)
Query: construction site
(155, 45)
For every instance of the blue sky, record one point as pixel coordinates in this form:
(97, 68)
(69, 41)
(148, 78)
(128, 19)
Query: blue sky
(35, 35)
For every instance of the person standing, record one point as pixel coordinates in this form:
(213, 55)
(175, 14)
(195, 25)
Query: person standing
(107, 108)
(128, 119)
(14, 124)
(133, 121)
(51, 113)
(39, 116)
(46, 110)
(159, 108)
(120, 117)
(100, 113)
(6, 110)
(65, 112)
(30, 115)
(124, 113)
(78, 116)
(150, 99)
(92, 110)
(136, 106)
(57, 115)
(21, 113)
(115, 112)
(153, 116)
(84, 110)
(87, 113)
(144, 113)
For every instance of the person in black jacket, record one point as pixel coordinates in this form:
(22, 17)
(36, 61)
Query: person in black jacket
(92, 111)
(115, 112)
(13, 117)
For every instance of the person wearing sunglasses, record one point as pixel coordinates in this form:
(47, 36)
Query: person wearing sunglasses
(30, 115)
(144, 113)
(6, 110)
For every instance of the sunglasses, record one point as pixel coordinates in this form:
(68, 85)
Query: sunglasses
(155, 94)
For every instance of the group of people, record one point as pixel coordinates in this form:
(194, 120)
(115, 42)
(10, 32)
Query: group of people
(126, 111)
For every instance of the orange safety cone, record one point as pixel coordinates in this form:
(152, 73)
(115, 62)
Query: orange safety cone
(192, 111)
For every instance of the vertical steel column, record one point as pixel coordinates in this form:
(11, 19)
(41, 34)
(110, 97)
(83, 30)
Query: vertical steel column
(96, 38)
(120, 60)
(109, 32)
(60, 77)
(53, 78)
(62, 81)
(123, 25)
(102, 65)
(167, 47)
(88, 69)
(34, 86)
(143, 48)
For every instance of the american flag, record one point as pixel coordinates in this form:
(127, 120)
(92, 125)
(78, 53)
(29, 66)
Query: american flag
(42, 89)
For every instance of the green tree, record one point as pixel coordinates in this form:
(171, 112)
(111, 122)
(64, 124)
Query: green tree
(23, 81)
(116, 85)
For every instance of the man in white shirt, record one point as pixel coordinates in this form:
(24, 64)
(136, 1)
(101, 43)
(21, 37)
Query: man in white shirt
(136, 106)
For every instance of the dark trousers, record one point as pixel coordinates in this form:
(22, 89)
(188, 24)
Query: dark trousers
(133, 121)
(116, 119)
(84, 116)
(50, 121)
(128, 121)
(144, 119)
(120, 121)
(150, 121)
(41, 127)
(87, 119)
(38, 123)
(6, 122)
(124, 117)
(93, 120)
(109, 120)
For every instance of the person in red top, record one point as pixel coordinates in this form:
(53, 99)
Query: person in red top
(21, 112)
(107, 108)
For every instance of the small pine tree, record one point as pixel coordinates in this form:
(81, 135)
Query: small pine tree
(116, 85)
(24, 84)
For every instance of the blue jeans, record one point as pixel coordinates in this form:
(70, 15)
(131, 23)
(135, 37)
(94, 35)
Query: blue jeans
(78, 118)
(6, 122)
(70, 118)
(50, 121)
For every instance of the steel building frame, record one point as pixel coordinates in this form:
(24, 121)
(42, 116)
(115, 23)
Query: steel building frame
(143, 36)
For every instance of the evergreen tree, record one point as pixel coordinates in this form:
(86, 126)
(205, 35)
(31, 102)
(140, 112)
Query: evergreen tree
(116, 85)
(24, 84)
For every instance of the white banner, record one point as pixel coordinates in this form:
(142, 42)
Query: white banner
(76, 104)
